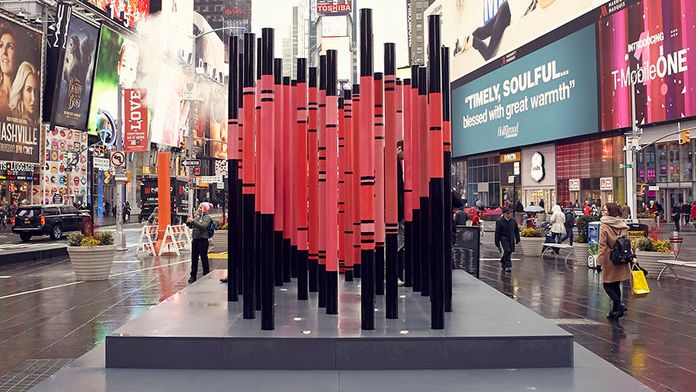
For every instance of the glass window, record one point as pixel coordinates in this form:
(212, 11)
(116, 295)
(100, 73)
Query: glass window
(27, 212)
(69, 210)
(51, 211)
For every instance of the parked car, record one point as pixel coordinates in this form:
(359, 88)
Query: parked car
(52, 220)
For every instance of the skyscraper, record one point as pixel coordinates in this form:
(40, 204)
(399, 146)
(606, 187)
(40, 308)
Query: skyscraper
(235, 14)
(416, 30)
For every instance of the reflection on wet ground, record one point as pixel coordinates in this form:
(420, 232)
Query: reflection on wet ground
(45, 314)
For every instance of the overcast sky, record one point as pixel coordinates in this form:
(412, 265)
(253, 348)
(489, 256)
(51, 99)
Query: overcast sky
(389, 24)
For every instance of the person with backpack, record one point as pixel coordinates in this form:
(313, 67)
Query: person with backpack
(202, 225)
(557, 224)
(614, 256)
(569, 224)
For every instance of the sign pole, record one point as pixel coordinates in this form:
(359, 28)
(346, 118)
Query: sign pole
(120, 236)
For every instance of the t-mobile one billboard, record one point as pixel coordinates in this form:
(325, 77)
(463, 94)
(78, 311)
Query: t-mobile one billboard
(647, 45)
(548, 94)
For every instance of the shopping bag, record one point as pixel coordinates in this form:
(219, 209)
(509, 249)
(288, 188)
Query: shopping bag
(640, 284)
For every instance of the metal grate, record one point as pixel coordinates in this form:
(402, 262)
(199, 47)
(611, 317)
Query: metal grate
(30, 373)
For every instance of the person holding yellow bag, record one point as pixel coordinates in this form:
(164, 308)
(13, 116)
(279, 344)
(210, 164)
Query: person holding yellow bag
(611, 229)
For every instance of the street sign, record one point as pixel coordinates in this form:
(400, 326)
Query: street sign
(118, 159)
(511, 179)
(626, 166)
(191, 163)
(101, 163)
(210, 180)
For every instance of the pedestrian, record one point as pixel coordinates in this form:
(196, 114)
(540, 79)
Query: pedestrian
(126, 212)
(153, 219)
(676, 217)
(576, 205)
(586, 209)
(519, 208)
(626, 211)
(569, 224)
(693, 213)
(542, 204)
(107, 208)
(557, 223)
(507, 234)
(611, 229)
(200, 225)
(479, 204)
(686, 212)
(476, 220)
(3, 217)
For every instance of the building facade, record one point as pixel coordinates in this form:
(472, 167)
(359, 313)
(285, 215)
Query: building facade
(416, 29)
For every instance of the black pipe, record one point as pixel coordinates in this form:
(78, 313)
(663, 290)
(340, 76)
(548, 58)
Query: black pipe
(259, 228)
(348, 229)
(331, 276)
(367, 256)
(437, 193)
(249, 223)
(240, 185)
(322, 173)
(424, 204)
(449, 231)
(408, 225)
(232, 178)
(302, 267)
(313, 259)
(267, 233)
(416, 199)
(356, 173)
(278, 235)
(391, 235)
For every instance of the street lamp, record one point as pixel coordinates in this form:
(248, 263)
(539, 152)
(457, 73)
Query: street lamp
(189, 142)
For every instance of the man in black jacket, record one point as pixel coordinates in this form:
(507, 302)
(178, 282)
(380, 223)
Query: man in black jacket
(507, 234)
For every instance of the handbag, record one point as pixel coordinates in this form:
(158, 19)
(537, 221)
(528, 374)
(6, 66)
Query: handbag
(639, 283)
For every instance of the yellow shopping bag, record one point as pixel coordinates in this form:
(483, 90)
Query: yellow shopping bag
(640, 284)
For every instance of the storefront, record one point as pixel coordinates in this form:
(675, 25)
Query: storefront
(539, 175)
(483, 175)
(17, 183)
(591, 170)
(664, 168)
(510, 184)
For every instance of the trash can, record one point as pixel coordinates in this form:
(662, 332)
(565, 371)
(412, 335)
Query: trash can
(87, 225)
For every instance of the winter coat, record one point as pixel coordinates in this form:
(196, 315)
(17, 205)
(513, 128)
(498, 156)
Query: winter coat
(557, 221)
(200, 226)
(610, 230)
(507, 234)
(693, 211)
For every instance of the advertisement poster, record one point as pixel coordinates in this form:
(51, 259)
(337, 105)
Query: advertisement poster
(549, 94)
(210, 113)
(75, 74)
(135, 123)
(480, 31)
(117, 65)
(649, 45)
(128, 12)
(65, 171)
(20, 92)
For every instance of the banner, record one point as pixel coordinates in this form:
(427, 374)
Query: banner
(117, 66)
(20, 92)
(549, 94)
(135, 123)
(129, 12)
(75, 73)
(649, 45)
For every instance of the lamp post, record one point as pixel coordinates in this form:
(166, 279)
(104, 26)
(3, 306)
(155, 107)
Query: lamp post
(190, 138)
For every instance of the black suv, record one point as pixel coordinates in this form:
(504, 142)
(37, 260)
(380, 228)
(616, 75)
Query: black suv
(53, 220)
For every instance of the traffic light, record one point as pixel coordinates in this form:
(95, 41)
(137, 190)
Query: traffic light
(685, 136)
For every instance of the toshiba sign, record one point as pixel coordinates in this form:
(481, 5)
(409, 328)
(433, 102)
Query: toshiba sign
(334, 8)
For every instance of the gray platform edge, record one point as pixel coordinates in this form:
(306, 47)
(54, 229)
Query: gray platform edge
(138, 348)
(338, 353)
(18, 256)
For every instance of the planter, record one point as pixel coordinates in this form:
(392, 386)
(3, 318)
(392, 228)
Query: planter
(532, 246)
(646, 221)
(92, 262)
(580, 253)
(648, 260)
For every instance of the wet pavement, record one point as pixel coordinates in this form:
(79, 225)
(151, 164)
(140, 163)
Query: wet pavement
(46, 314)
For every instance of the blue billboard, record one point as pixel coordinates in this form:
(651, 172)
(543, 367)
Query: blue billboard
(549, 94)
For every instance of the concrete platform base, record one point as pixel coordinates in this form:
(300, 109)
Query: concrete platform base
(197, 329)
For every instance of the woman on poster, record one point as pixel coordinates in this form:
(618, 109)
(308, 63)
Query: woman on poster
(24, 94)
(8, 67)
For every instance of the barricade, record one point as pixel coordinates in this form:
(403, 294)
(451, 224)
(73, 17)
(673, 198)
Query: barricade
(176, 238)
(146, 243)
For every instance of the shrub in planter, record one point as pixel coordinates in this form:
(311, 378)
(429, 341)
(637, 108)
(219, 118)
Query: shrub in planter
(582, 225)
(648, 251)
(532, 241)
(92, 256)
